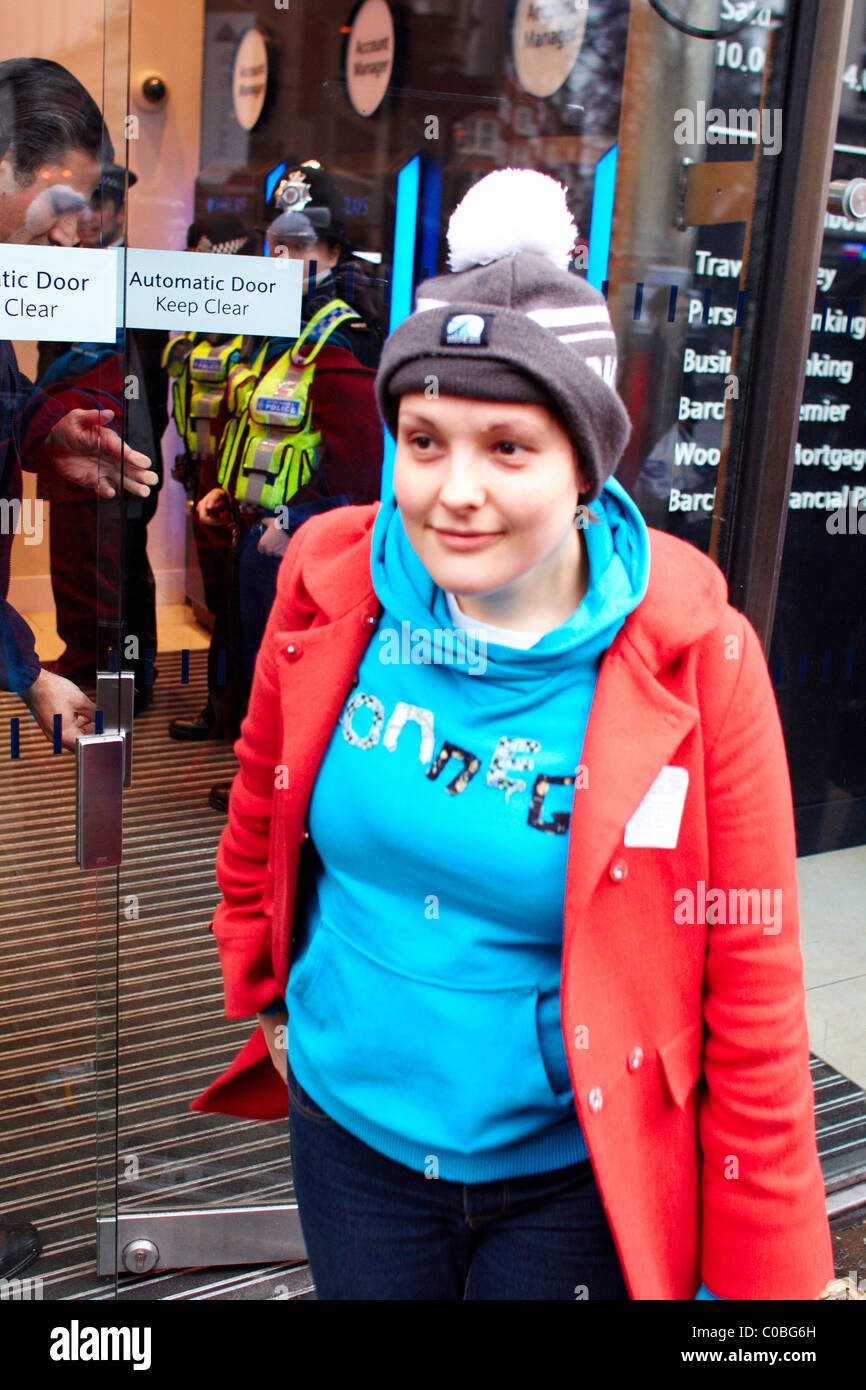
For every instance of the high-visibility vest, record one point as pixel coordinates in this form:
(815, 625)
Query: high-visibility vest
(199, 372)
(269, 448)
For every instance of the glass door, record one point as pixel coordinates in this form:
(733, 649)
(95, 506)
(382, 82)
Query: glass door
(107, 880)
(63, 98)
(191, 1189)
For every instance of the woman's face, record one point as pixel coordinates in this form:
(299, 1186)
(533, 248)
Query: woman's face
(487, 491)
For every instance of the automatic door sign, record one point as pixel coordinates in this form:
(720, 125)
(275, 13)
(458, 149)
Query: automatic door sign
(545, 41)
(58, 294)
(213, 293)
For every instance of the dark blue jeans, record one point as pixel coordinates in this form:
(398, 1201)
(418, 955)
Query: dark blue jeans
(375, 1229)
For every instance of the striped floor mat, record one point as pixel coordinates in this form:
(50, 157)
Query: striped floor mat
(57, 984)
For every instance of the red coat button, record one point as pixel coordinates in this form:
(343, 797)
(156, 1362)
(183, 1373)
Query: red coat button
(618, 870)
(635, 1058)
(370, 620)
(293, 651)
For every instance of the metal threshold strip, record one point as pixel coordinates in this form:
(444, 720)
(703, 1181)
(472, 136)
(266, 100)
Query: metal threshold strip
(141, 1241)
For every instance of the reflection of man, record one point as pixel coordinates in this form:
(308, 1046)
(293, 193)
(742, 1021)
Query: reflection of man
(105, 222)
(89, 571)
(52, 142)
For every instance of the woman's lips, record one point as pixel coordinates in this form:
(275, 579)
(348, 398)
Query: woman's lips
(467, 540)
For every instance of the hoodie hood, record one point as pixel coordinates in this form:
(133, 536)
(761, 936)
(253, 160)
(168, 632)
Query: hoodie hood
(619, 560)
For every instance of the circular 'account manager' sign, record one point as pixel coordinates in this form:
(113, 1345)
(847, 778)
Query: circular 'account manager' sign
(546, 40)
(250, 78)
(370, 56)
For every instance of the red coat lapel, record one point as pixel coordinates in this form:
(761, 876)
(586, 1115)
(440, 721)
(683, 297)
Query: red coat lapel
(635, 727)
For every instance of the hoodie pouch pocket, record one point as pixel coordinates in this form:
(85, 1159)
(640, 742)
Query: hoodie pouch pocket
(457, 1069)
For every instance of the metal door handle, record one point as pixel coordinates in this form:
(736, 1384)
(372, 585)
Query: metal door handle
(103, 767)
(115, 695)
(99, 800)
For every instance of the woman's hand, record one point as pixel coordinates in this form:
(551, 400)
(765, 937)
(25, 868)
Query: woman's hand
(276, 1036)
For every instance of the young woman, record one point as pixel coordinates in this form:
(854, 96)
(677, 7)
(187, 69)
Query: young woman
(546, 1031)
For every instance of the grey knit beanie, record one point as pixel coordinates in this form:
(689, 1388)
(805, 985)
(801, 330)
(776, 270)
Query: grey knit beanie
(512, 324)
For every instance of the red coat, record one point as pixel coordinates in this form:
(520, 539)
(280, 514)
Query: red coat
(689, 1058)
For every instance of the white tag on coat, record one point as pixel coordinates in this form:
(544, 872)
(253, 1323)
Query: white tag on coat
(656, 822)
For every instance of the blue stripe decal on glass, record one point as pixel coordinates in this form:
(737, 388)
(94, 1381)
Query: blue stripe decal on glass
(602, 218)
(431, 205)
(273, 179)
(405, 229)
(402, 270)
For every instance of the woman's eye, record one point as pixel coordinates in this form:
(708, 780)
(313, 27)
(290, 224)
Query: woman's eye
(508, 448)
(420, 441)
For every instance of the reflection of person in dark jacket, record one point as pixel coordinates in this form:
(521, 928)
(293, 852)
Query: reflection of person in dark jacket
(195, 391)
(92, 545)
(52, 142)
(348, 458)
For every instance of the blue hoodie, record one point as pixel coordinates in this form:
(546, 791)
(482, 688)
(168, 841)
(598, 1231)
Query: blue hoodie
(423, 996)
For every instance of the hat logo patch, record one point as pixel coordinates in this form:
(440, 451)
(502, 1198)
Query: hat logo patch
(466, 330)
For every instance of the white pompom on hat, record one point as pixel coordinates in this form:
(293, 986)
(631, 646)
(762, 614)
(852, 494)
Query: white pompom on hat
(511, 210)
(512, 323)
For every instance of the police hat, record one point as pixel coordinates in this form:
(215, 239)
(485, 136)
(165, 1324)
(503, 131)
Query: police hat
(307, 205)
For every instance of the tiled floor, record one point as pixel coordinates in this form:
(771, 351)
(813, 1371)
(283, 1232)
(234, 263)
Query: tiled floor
(833, 917)
(176, 629)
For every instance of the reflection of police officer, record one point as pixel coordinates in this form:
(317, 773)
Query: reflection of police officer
(323, 446)
(200, 365)
(105, 222)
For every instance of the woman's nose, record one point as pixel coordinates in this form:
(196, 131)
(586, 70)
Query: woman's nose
(461, 486)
